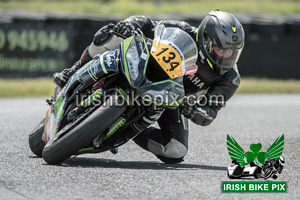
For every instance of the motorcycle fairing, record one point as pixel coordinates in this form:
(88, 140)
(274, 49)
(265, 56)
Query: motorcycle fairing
(100, 66)
(134, 56)
(168, 93)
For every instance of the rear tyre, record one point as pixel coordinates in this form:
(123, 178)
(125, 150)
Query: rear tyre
(81, 135)
(36, 143)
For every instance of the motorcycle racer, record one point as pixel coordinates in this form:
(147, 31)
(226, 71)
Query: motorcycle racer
(220, 39)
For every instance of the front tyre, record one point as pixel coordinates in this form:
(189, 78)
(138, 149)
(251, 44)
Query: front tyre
(81, 135)
(36, 143)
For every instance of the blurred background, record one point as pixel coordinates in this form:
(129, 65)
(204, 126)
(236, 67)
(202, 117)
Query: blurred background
(40, 37)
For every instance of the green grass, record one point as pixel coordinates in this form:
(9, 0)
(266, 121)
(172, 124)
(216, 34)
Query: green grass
(129, 7)
(268, 86)
(45, 87)
(26, 87)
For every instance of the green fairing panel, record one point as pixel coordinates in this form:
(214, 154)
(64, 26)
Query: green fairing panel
(92, 98)
(135, 56)
(125, 96)
(168, 93)
(58, 101)
(59, 110)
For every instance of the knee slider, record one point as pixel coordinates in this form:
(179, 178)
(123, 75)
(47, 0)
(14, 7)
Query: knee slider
(173, 149)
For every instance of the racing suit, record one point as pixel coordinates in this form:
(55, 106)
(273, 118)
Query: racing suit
(170, 142)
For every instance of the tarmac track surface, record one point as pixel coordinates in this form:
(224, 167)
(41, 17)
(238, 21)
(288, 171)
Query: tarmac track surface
(136, 174)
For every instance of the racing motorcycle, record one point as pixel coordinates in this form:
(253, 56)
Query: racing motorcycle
(272, 167)
(89, 114)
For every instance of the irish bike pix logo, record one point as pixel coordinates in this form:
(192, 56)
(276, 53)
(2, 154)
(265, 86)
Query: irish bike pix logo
(257, 164)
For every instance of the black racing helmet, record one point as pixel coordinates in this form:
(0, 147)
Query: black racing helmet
(221, 39)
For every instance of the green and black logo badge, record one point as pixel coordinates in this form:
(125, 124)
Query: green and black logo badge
(255, 163)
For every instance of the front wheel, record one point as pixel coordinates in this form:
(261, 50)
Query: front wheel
(81, 135)
(36, 143)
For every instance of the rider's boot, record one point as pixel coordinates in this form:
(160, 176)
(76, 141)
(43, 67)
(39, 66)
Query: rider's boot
(62, 78)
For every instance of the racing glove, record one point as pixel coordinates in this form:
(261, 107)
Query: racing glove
(124, 28)
(204, 115)
(187, 108)
(201, 115)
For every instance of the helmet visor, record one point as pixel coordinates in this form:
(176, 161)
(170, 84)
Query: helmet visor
(224, 58)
